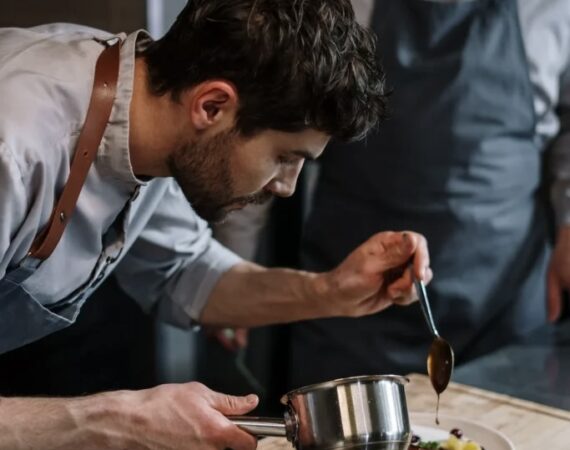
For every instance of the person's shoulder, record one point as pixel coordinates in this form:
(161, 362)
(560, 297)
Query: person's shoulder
(46, 77)
(49, 62)
(67, 30)
(41, 40)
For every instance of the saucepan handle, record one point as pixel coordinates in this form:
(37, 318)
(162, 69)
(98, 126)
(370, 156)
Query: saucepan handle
(261, 426)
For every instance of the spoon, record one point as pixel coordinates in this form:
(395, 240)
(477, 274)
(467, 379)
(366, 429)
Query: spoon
(440, 359)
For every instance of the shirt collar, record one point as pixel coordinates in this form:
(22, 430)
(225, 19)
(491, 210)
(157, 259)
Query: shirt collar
(113, 157)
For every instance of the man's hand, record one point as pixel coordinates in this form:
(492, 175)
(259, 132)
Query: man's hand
(377, 274)
(232, 339)
(559, 273)
(182, 416)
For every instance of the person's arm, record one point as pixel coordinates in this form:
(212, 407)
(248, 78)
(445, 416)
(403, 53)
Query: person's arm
(370, 279)
(174, 263)
(170, 417)
(177, 268)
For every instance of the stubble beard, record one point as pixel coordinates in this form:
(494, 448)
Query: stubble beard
(203, 172)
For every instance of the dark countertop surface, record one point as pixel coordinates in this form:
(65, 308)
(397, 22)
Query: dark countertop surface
(536, 369)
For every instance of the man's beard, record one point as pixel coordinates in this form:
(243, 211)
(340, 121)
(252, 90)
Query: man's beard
(203, 171)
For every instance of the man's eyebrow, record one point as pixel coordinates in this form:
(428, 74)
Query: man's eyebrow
(304, 154)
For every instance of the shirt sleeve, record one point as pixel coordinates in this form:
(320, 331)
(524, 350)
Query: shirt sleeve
(560, 159)
(13, 205)
(174, 263)
(242, 230)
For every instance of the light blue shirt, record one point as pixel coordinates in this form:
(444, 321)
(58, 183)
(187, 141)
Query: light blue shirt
(146, 233)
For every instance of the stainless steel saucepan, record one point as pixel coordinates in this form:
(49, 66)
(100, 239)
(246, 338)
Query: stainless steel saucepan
(367, 412)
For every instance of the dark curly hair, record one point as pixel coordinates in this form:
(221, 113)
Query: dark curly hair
(296, 64)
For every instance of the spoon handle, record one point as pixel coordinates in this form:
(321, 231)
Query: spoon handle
(426, 309)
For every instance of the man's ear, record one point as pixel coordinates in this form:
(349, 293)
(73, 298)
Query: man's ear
(212, 104)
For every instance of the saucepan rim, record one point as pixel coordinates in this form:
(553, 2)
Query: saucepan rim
(342, 381)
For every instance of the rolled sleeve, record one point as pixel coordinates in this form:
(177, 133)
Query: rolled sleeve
(175, 263)
(199, 278)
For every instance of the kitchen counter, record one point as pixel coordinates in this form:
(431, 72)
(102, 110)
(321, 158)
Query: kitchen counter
(489, 390)
(536, 369)
(528, 425)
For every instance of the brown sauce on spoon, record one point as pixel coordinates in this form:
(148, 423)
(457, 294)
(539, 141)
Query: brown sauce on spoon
(440, 367)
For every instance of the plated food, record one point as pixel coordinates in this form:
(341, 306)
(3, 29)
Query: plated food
(434, 436)
(455, 433)
(455, 441)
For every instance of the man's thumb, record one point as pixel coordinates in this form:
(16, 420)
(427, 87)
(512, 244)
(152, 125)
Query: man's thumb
(230, 405)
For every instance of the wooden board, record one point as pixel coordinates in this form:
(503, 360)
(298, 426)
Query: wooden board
(528, 425)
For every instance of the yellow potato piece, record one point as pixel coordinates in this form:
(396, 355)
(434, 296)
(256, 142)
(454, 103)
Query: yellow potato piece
(453, 443)
(470, 445)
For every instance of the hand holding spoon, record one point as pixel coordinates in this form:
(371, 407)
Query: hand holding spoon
(440, 358)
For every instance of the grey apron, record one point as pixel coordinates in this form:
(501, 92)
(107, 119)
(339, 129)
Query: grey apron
(457, 161)
(24, 319)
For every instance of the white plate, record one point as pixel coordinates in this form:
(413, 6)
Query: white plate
(423, 424)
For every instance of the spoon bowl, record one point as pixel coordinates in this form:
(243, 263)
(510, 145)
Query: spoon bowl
(440, 359)
(440, 364)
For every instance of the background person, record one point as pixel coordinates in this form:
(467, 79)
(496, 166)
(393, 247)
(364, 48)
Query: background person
(480, 90)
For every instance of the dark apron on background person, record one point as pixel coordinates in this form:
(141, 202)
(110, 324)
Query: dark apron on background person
(457, 160)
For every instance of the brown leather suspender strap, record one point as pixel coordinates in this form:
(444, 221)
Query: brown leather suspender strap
(98, 113)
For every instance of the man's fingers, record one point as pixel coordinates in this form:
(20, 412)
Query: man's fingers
(232, 339)
(392, 250)
(398, 248)
(554, 296)
(428, 276)
(241, 337)
(231, 405)
(421, 261)
(227, 340)
(404, 286)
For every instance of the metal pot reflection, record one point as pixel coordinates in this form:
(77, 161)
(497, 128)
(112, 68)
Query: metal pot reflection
(365, 412)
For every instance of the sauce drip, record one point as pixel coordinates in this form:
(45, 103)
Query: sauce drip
(440, 367)
(437, 410)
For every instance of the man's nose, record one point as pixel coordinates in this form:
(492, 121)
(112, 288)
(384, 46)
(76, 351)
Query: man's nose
(285, 183)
